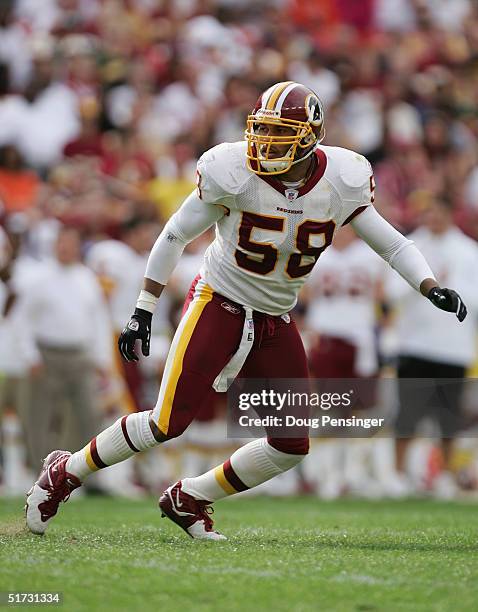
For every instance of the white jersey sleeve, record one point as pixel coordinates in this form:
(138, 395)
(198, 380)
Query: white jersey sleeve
(400, 252)
(192, 219)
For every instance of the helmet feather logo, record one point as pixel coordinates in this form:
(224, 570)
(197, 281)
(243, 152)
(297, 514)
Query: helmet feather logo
(314, 110)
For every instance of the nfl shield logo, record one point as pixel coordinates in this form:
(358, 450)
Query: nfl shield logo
(291, 194)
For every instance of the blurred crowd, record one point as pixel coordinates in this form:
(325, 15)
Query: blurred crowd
(105, 107)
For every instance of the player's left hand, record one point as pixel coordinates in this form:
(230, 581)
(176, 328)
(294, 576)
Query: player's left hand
(448, 300)
(138, 328)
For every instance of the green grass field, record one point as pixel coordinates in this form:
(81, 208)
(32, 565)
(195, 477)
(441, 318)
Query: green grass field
(287, 554)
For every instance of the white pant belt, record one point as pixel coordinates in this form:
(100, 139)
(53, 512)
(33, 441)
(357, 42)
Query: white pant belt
(233, 367)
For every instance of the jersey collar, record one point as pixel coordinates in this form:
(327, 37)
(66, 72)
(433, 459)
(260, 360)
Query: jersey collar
(317, 174)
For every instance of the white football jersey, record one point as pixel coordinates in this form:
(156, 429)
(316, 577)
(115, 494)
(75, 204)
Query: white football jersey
(271, 236)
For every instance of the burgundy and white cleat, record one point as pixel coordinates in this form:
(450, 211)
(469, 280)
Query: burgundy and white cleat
(54, 485)
(191, 514)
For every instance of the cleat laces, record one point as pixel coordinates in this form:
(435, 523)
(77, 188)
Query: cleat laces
(205, 511)
(56, 495)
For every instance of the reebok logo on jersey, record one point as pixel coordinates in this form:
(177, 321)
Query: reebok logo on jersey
(292, 212)
(230, 308)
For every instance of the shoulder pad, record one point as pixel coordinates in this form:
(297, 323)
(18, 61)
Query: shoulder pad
(355, 170)
(225, 165)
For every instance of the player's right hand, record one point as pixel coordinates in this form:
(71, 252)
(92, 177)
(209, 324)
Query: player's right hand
(138, 328)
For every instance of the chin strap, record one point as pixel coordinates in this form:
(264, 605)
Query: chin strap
(270, 166)
(314, 148)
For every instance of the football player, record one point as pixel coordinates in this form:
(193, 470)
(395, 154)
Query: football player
(276, 201)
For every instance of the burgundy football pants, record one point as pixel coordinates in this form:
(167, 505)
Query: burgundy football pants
(208, 335)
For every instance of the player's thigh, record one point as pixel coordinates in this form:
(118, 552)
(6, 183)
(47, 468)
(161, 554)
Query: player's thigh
(282, 356)
(207, 337)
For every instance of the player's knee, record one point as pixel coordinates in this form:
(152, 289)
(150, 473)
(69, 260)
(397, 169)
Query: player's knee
(159, 436)
(292, 446)
(175, 430)
(176, 426)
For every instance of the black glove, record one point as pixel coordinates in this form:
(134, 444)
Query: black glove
(138, 328)
(449, 300)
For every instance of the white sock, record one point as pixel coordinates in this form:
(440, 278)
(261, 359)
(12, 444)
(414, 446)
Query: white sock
(248, 467)
(128, 435)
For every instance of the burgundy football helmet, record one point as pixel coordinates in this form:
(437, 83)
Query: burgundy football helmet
(288, 105)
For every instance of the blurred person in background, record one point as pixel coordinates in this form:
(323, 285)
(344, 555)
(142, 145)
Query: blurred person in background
(239, 96)
(11, 107)
(88, 140)
(80, 66)
(66, 315)
(175, 177)
(79, 193)
(124, 97)
(50, 112)
(341, 316)
(20, 187)
(18, 360)
(14, 45)
(119, 266)
(58, 16)
(429, 347)
(314, 73)
(341, 303)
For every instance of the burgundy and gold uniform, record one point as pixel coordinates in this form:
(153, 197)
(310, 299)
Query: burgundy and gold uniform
(269, 235)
